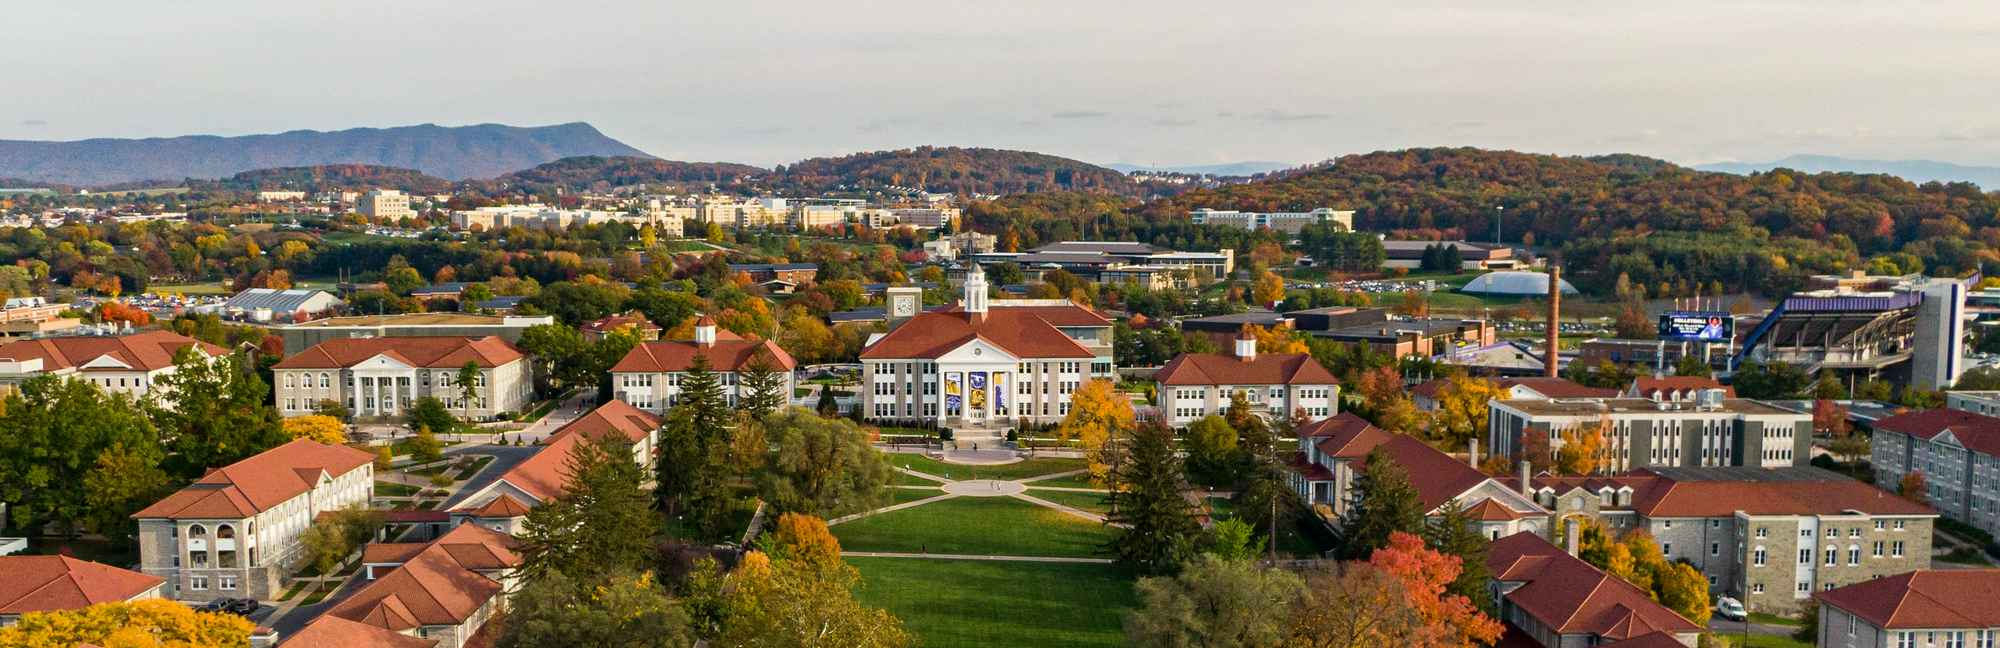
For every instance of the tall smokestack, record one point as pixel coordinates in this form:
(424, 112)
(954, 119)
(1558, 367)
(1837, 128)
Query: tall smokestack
(1552, 358)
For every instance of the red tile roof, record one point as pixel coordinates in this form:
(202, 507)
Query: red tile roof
(1308, 470)
(504, 506)
(440, 585)
(330, 631)
(1018, 331)
(1488, 510)
(728, 353)
(1438, 477)
(267, 479)
(391, 552)
(1059, 315)
(1223, 369)
(1976, 432)
(1724, 497)
(49, 583)
(1569, 596)
(145, 351)
(542, 474)
(432, 352)
(1923, 599)
(1344, 435)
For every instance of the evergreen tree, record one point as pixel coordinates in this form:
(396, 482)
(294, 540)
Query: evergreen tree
(601, 524)
(1388, 504)
(827, 405)
(763, 388)
(1452, 534)
(693, 469)
(1159, 523)
(1449, 258)
(1267, 496)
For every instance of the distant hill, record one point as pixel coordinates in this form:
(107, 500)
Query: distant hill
(454, 153)
(1918, 171)
(950, 170)
(328, 177)
(597, 173)
(1226, 169)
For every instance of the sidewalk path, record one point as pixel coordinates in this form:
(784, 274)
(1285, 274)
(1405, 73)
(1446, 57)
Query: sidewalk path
(886, 509)
(1066, 509)
(1031, 480)
(932, 556)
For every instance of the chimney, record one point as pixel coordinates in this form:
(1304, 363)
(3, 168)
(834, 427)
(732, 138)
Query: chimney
(1527, 479)
(704, 331)
(1570, 533)
(1473, 456)
(1553, 358)
(1246, 345)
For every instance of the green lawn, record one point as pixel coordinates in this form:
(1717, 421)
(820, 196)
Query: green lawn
(1000, 526)
(1099, 503)
(1018, 470)
(1761, 641)
(901, 495)
(1079, 480)
(392, 489)
(907, 479)
(202, 288)
(954, 603)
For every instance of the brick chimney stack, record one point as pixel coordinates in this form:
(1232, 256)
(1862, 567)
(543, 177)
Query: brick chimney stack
(1552, 358)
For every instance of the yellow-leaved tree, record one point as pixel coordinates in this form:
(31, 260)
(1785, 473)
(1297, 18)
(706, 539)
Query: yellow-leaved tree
(317, 427)
(151, 623)
(1278, 339)
(1461, 411)
(1270, 289)
(1098, 416)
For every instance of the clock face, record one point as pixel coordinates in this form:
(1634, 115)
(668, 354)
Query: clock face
(904, 308)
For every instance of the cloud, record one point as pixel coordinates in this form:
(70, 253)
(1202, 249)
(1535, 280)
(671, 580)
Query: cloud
(1080, 114)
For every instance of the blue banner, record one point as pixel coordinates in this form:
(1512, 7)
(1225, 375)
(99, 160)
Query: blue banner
(976, 395)
(952, 389)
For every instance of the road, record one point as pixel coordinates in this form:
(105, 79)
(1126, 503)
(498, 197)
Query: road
(504, 459)
(1726, 627)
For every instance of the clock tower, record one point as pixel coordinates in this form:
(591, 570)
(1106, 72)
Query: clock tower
(904, 303)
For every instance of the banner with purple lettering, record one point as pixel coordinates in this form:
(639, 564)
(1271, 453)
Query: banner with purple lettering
(976, 392)
(952, 391)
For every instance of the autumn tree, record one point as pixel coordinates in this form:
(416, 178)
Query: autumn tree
(789, 600)
(1426, 575)
(1454, 533)
(1278, 339)
(1352, 605)
(1098, 418)
(1461, 409)
(1269, 289)
(1913, 488)
(1584, 452)
(1213, 602)
(318, 428)
(147, 623)
(1414, 303)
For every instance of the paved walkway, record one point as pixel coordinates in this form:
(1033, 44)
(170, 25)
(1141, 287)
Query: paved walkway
(1023, 496)
(1059, 475)
(1017, 489)
(886, 509)
(932, 556)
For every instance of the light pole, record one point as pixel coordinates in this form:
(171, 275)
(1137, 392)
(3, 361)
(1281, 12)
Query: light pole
(1498, 212)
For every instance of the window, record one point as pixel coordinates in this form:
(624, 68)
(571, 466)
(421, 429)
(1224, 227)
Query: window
(1757, 588)
(1899, 527)
(1763, 532)
(1804, 587)
(1805, 556)
(228, 582)
(1757, 557)
(1896, 548)
(1879, 524)
(1667, 548)
(1906, 640)
(1877, 549)
(1715, 523)
(1853, 554)
(1715, 548)
(198, 583)
(1832, 556)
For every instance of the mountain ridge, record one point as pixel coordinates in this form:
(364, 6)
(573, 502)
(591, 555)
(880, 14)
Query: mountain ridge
(449, 152)
(1918, 171)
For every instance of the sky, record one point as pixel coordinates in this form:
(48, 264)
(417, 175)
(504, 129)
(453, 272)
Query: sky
(1165, 82)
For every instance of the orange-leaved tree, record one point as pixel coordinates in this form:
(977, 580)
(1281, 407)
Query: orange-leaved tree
(1449, 619)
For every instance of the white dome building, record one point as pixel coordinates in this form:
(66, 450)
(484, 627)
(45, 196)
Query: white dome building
(1513, 284)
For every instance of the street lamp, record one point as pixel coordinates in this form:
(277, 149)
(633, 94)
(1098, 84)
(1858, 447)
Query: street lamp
(1498, 212)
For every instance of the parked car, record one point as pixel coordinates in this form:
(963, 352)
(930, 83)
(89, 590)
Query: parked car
(1731, 609)
(243, 606)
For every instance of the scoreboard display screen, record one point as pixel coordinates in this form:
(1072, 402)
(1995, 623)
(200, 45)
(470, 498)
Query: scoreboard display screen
(1697, 326)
